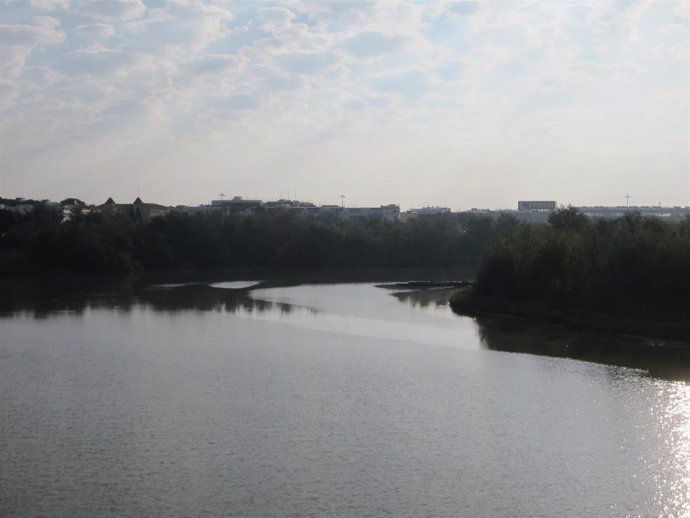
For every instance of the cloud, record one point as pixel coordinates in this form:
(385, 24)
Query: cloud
(100, 63)
(305, 62)
(8, 97)
(367, 102)
(179, 28)
(349, 77)
(111, 10)
(348, 11)
(44, 30)
(283, 83)
(40, 76)
(17, 42)
(49, 5)
(279, 23)
(126, 108)
(680, 51)
(94, 33)
(213, 64)
(449, 70)
(274, 18)
(682, 9)
(406, 82)
(46, 5)
(370, 44)
(463, 8)
(230, 103)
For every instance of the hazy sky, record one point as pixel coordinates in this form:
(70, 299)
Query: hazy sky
(460, 104)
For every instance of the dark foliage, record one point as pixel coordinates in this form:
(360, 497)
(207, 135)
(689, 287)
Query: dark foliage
(99, 243)
(631, 265)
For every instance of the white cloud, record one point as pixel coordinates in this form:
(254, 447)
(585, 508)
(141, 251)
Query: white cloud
(407, 82)
(18, 41)
(463, 8)
(180, 28)
(44, 30)
(369, 44)
(680, 51)
(49, 5)
(213, 64)
(342, 11)
(99, 63)
(280, 83)
(234, 102)
(274, 18)
(94, 33)
(40, 77)
(682, 9)
(305, 62)
(111, 10)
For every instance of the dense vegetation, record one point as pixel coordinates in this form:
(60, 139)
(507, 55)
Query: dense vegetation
(573, 268)
(99, 243)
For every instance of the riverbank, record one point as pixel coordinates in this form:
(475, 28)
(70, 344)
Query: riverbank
(466, 302)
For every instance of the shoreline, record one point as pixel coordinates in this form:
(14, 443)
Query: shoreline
(464, 302)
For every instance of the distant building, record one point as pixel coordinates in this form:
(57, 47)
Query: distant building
(536, 206)
(198, 209)
(666, 213)
(242, 207)
(300, 208)
(539, 211)
(535, 211)
(236, 204)
(387, 212)
(111, 208)
(331, 210)
(137, 210)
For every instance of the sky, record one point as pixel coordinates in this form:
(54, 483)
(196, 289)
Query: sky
(421, 103)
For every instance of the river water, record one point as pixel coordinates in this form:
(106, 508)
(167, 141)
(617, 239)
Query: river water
(325, 399)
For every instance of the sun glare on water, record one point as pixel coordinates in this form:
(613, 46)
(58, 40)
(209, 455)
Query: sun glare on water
(673, 479)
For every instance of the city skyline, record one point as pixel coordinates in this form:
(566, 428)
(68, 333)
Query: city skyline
(284, 203)
(458, 104)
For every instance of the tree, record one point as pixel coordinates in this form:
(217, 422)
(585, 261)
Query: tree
(567, 218)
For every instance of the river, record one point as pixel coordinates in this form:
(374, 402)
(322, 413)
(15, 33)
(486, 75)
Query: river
(316, 398)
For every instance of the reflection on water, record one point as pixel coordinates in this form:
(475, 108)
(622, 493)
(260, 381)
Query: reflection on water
(425, 298)
(662, 358)
(672, 476)
(234, 285)
(125, 294)
(176, 397)
(202, 297)
(42, 296)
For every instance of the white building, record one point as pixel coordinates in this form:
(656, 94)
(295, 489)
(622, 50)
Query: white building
(387, 212)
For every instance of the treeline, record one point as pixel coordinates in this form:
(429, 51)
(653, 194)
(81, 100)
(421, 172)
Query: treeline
(631, 266)
(98, 243)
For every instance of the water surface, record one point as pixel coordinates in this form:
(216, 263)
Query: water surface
(321, 399)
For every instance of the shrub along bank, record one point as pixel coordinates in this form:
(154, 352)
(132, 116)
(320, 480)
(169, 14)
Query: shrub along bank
(630, 274)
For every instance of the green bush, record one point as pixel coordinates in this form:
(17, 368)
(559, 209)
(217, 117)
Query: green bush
(632, 265)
